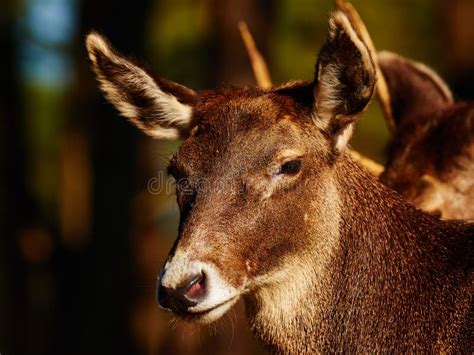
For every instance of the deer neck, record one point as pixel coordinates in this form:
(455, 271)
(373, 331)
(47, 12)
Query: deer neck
(328, 298)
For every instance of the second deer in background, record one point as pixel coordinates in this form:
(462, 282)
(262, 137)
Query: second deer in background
(431, 156)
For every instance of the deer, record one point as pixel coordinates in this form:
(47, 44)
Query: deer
(275, 211)
(431, 155)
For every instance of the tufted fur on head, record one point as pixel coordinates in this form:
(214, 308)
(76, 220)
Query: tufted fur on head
(159, 107)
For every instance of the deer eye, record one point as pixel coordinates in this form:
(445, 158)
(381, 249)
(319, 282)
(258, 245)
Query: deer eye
(291, 167)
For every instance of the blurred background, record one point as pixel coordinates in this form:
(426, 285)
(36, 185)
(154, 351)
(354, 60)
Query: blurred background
(85, 226)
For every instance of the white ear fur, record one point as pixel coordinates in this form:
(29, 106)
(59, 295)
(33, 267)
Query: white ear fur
(167, 118)
(327, 98)
(342, 138)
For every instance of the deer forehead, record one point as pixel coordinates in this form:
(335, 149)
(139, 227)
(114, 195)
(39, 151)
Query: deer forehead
(243, 134)
(235, 110)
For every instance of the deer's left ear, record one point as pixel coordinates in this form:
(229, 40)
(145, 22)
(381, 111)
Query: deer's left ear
(345, 81)
(159, 107)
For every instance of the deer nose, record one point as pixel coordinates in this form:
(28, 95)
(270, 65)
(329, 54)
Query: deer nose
(183, 297)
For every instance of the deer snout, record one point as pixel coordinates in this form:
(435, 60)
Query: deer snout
(183, 297)
(195, 289)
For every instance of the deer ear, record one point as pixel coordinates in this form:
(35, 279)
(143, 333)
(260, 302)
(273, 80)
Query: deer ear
(160, 108)
(345, 81)
(415, 90)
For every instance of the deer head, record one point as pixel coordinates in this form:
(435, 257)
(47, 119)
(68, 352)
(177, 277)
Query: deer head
(255, 172)
(431, 158)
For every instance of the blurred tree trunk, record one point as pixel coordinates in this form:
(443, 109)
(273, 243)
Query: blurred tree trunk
(95, 280)
(18, 209)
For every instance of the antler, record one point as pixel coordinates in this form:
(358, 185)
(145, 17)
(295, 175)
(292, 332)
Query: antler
(259, 66)
(361, 30)
(262, 76)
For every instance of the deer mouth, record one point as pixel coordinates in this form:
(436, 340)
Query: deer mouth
(195, 290)
(210, 314)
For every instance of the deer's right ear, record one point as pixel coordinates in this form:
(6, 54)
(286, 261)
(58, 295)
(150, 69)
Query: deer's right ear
(160, 108)
(345, 80)
(415, 90)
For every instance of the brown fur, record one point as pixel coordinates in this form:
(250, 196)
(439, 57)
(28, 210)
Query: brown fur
(327, 259)
(431, 156)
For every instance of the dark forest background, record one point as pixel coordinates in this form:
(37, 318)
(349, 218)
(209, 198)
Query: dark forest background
(82, 234)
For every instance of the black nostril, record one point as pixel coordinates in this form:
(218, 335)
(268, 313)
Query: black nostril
(183, 297)
(162, 295)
